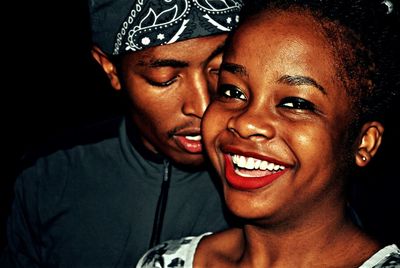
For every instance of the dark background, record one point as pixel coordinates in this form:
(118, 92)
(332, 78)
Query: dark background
(51, 84)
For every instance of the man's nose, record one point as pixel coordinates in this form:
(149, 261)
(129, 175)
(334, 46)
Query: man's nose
(197, 97)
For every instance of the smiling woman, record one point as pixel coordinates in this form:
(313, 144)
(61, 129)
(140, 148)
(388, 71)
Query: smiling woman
(301, 94)
(285, 114)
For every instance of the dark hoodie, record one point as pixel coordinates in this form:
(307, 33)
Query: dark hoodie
(93, 203)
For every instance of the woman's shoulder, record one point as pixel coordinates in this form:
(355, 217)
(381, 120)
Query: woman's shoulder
(387, 257)
(172, 253)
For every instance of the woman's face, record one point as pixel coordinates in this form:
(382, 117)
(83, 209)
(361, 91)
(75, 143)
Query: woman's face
(276, 132)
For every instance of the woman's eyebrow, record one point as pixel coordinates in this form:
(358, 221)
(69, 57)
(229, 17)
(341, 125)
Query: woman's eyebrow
(298, 80)
(218, 50)
(234, 68)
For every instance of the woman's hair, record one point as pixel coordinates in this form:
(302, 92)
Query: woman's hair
(364, 35)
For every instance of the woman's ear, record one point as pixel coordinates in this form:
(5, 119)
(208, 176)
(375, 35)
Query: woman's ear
(369, 141)
(108, 67)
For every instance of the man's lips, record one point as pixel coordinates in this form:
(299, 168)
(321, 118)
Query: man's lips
(189, 140)
(247, 173)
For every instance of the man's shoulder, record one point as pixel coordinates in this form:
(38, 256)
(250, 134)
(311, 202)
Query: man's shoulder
(58, 168)
(83, 137)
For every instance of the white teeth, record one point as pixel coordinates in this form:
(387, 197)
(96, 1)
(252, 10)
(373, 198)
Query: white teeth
(250, 163)
(253, 163)
(264, 165)
(194, 138)
(257, 164)
(270, 166)
(242, 161)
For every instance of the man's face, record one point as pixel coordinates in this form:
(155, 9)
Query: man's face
(169, 88)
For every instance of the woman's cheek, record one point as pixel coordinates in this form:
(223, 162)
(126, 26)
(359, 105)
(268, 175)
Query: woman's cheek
(212, 128)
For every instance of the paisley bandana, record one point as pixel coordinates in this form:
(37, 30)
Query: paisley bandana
(120, 26)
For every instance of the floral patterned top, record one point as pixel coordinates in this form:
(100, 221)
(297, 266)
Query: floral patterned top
(180, 254)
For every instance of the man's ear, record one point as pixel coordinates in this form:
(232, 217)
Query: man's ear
(369, 141)
(108, 67)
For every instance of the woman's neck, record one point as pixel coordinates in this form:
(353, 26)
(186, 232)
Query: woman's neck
(326, 243)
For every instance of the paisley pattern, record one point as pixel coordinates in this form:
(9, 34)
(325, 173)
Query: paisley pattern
(153, 23)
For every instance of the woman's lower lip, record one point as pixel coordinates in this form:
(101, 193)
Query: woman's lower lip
(247, 183)
(191, 146)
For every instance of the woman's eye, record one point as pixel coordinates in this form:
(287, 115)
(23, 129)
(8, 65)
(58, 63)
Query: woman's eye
(296, 103)
(231, 92)
(161, 84)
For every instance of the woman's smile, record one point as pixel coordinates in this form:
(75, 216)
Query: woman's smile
(250, 170)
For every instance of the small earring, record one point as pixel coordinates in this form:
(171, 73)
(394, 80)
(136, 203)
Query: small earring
(389, 6)
(364, 158)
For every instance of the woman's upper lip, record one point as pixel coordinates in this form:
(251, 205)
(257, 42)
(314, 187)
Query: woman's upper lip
(229, 149)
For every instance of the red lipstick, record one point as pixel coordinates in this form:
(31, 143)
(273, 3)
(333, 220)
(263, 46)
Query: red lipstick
(247, 183)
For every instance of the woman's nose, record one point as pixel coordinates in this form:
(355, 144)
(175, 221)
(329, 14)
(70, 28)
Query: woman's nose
(253, 124)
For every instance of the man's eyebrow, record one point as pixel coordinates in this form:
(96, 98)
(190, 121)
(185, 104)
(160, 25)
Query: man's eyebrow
(167, 63)
(234, 68)
(298, 80)
(174, 63)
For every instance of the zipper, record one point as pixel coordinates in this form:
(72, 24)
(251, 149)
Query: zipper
(161, 205)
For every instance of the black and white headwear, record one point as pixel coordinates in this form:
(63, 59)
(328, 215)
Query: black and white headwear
(120, 26)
